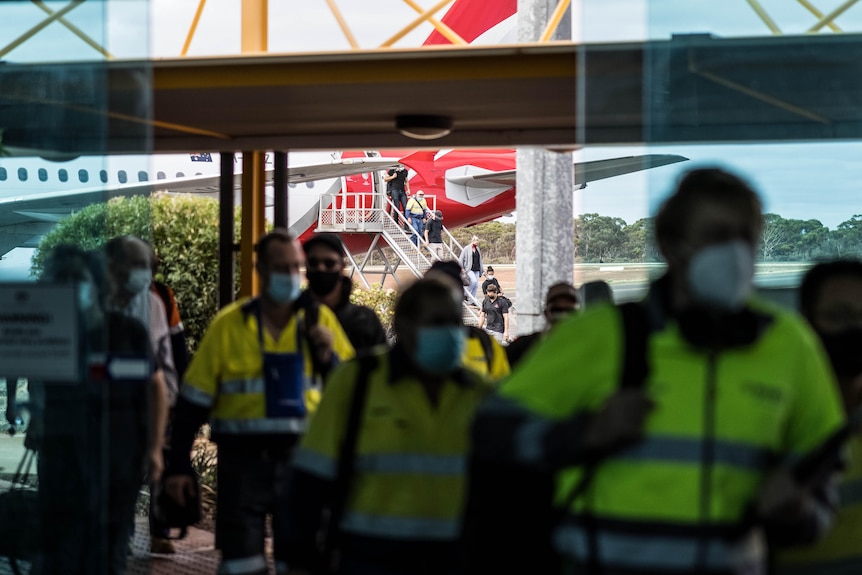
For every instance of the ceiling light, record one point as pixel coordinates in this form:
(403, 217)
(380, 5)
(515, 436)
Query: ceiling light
(423, 126)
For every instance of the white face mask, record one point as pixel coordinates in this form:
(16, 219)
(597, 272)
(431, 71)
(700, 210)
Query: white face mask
(720, 275)
(139, 280)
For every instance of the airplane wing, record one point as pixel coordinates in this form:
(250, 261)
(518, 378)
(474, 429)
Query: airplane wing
(24, 219)
(584, 171)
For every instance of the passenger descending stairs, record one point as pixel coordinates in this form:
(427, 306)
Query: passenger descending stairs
(361, 217)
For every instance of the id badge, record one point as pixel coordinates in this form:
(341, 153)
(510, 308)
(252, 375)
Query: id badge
(284, 378)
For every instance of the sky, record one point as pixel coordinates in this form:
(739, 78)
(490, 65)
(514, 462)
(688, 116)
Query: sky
(796, 180)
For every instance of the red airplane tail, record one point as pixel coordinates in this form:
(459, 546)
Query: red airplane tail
(472, 18)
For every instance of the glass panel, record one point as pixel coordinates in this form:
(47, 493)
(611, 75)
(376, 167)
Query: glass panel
(63, 109)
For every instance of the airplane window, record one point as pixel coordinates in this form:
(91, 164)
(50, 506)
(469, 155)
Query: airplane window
(3, 174)
(43, 175)
(103, 175)
(181, 175)
(160, 175)
(63, 175)
(143, 176)
(83, 176)
(121, 175)
(22, 174)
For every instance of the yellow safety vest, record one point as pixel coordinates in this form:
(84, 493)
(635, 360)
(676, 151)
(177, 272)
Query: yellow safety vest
(476, 358)
(226, 373)
(417, 207)
(720, 423)
(840, 551)
(411, 457)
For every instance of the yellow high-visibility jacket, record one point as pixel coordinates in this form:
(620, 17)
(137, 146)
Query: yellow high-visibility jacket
(722, 421)
(840, 551)
(409, 484)
(226, 373)
(476, 357)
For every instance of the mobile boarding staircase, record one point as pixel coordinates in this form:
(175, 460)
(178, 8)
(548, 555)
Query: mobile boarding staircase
(371, 214)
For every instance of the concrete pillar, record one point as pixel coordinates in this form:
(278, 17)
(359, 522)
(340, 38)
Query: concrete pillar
(545, 184)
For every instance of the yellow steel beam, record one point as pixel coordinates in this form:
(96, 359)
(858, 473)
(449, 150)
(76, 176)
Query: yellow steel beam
(75, 30)
(254, 39)
(817, 13)
(770, 23)
(119, 116)
(40, 26)
(410, 27)
(193, 27)
(365, 67)
(445, 30)
(342, 23)
(824, 21)
(254, 26)
(771, 100)
(253, 224)
(558, 14)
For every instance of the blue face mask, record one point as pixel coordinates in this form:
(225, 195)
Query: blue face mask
(284, 288)
(439, 348)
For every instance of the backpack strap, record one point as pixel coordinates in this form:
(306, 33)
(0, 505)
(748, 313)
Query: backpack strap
(635, 338)
(162, 289)
(635, 369)
(486, 343)
(347, 457)
(311, 313)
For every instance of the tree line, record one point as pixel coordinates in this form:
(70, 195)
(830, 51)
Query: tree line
(599, 238)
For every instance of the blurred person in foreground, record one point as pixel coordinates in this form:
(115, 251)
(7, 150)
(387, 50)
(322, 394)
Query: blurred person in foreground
(398, 508)
(99, 436)
(482, 353)
(561, 302)
(253, 378)
(830, 297)
(324, 264)
(669, 441)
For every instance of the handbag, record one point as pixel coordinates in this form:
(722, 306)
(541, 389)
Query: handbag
(20, 533)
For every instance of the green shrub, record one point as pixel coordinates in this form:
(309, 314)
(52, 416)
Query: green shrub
(381, 300)
(184, 233)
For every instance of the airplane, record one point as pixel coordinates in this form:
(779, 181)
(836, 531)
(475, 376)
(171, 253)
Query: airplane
(469, 186)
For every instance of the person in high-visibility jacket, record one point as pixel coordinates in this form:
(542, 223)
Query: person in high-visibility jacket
(830, 297)
(404, 498)
(253, 377)
(690, 467)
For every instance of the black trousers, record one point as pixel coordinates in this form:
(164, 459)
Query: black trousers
(252, 483)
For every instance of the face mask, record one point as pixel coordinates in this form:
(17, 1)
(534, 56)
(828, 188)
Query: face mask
(139, 280)
(322, 283)
(720, 275)
(845, 351)
(86, 297)
(284, 288)
(439, 348)
(490, 275)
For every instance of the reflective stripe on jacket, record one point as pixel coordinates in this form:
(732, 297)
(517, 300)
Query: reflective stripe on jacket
(721, 421)
(226, 373)
(410, 470)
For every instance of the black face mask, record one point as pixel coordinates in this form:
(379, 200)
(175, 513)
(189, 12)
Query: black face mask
(845, 351)
(322, 283)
